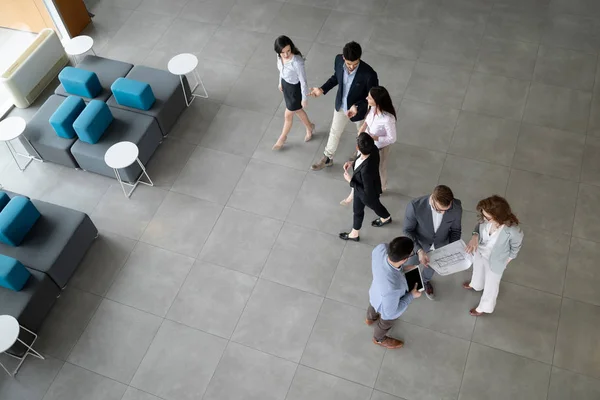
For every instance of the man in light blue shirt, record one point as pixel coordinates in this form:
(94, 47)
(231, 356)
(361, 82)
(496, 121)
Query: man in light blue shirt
(389, 295)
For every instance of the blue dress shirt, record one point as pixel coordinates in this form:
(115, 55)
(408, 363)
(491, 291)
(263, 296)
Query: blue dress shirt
(348, 79)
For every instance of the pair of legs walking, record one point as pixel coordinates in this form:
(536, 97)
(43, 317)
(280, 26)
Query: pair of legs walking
(359, 215)
(287, 126)
(338, 124)
(380, 329)
(383, 157)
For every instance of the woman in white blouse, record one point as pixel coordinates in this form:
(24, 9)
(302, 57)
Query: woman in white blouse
(496, 241)
(292, 83)
(380, 123)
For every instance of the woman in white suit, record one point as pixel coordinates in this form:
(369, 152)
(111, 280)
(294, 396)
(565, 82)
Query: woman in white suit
(496, 241)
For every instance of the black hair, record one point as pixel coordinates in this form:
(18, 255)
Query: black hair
(283, 41)
(383, 100)
(352, 51)
(400, 249)
(365, 143)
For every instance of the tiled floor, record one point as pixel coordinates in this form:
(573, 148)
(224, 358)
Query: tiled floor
(226, 281)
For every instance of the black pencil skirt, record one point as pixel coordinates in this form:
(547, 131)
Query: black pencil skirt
(292, 94)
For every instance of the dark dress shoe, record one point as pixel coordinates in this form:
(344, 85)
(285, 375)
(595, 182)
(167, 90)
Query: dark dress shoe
(379, 222)
(344, 236)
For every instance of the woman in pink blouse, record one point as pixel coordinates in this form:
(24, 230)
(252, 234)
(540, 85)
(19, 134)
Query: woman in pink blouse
(380, 123)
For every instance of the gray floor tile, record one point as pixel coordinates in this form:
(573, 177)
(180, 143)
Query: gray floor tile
(463, 16)
(472, 180)
(193, 124)
(66, 321)
(564, 67)
(102, 262)
(577, 339)
(524, 323)
(351, 355)
(352, 278)
(160, 7)
(590, 168)
(32, 381)
(256, 16)
(126, 4)
(250, 374)
(319, 67)
(469, 221)
(245, 96)
(541, 264)
(312, 384)
(438, 85)
(168, 161)
(294, 251)
(377, 395)
(568, 385)
(211, 11)
(512, 59)
(584, 7)
(182, 224)
(495, 375)
(212, 299)
(233, 46)
(142, 30)
(75, 383)
(179, 363)
(442, 356)
(452, 48)
(150, 279)
(36, 180)
(365, 7)
(586, 215)
(396, 205)
(115, 341)
(485, 138)
(299, 21)
(553, 204)
(339, 26)
(127, 216)
(496, 95)
(582, 279)
(264, 57)
(594, 122)
(449, 314)
(550, 152)
(131, 53)
(398, 38)
(285, 335)
(577, 32)
(421, 11)
(513, 24)
(236, 131)
(426, 125)
(136, 394)
(393, 73)
(184, 36)
(266, 189)
(417, 170)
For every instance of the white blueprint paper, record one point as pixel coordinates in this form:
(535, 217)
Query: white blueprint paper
(450, 259)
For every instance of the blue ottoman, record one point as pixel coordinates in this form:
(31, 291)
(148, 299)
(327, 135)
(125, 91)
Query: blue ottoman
(16, 220)
(13, 274)
(93, 121)
(80, 82)
(4, 199)
(64, 116)
(134, 94)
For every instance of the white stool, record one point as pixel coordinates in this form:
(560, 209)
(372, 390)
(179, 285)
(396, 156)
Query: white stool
(79, 45)
(12, 128)
(9, 335)
(183, 64)
(122, 155)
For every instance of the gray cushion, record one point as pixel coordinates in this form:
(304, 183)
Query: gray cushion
(107, 70)
(166, 87)
(44, 140)
(128, 126)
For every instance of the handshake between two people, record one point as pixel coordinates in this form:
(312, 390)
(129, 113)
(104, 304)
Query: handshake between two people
(316, 92)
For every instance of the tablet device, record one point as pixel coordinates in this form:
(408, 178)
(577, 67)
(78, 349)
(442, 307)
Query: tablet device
(413, 277)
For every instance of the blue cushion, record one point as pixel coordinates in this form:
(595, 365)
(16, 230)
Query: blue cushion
(16, 220)
(80, 82)
(4, 199)
(13, 274)
(93, 121)
(134, 94)
(64, 116)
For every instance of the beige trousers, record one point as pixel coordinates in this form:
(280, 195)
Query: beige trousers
(335, 133)
(383, 157)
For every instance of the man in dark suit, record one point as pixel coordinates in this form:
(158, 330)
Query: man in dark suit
(432, 221)
(354, 79)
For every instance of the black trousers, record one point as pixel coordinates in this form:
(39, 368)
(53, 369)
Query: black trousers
(359, 204)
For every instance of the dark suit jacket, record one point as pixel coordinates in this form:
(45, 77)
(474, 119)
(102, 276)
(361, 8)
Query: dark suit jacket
(418, 224)
(366, 180)
(364, 80)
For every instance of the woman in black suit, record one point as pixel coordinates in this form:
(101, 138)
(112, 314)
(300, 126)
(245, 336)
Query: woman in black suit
(366, 183)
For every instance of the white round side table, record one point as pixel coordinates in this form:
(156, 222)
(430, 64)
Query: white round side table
(9, 335)
(122, 155)
(183, 64)
(79, 45)
(12, 128)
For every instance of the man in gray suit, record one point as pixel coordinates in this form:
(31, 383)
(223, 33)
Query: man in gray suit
(431, 222)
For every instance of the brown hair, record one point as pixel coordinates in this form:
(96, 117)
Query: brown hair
(499, 209)
(443, 195)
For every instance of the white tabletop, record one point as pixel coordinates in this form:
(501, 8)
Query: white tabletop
(9, 332)
(182, 64)
(11, 128)
(121, 155)
(79, 45)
